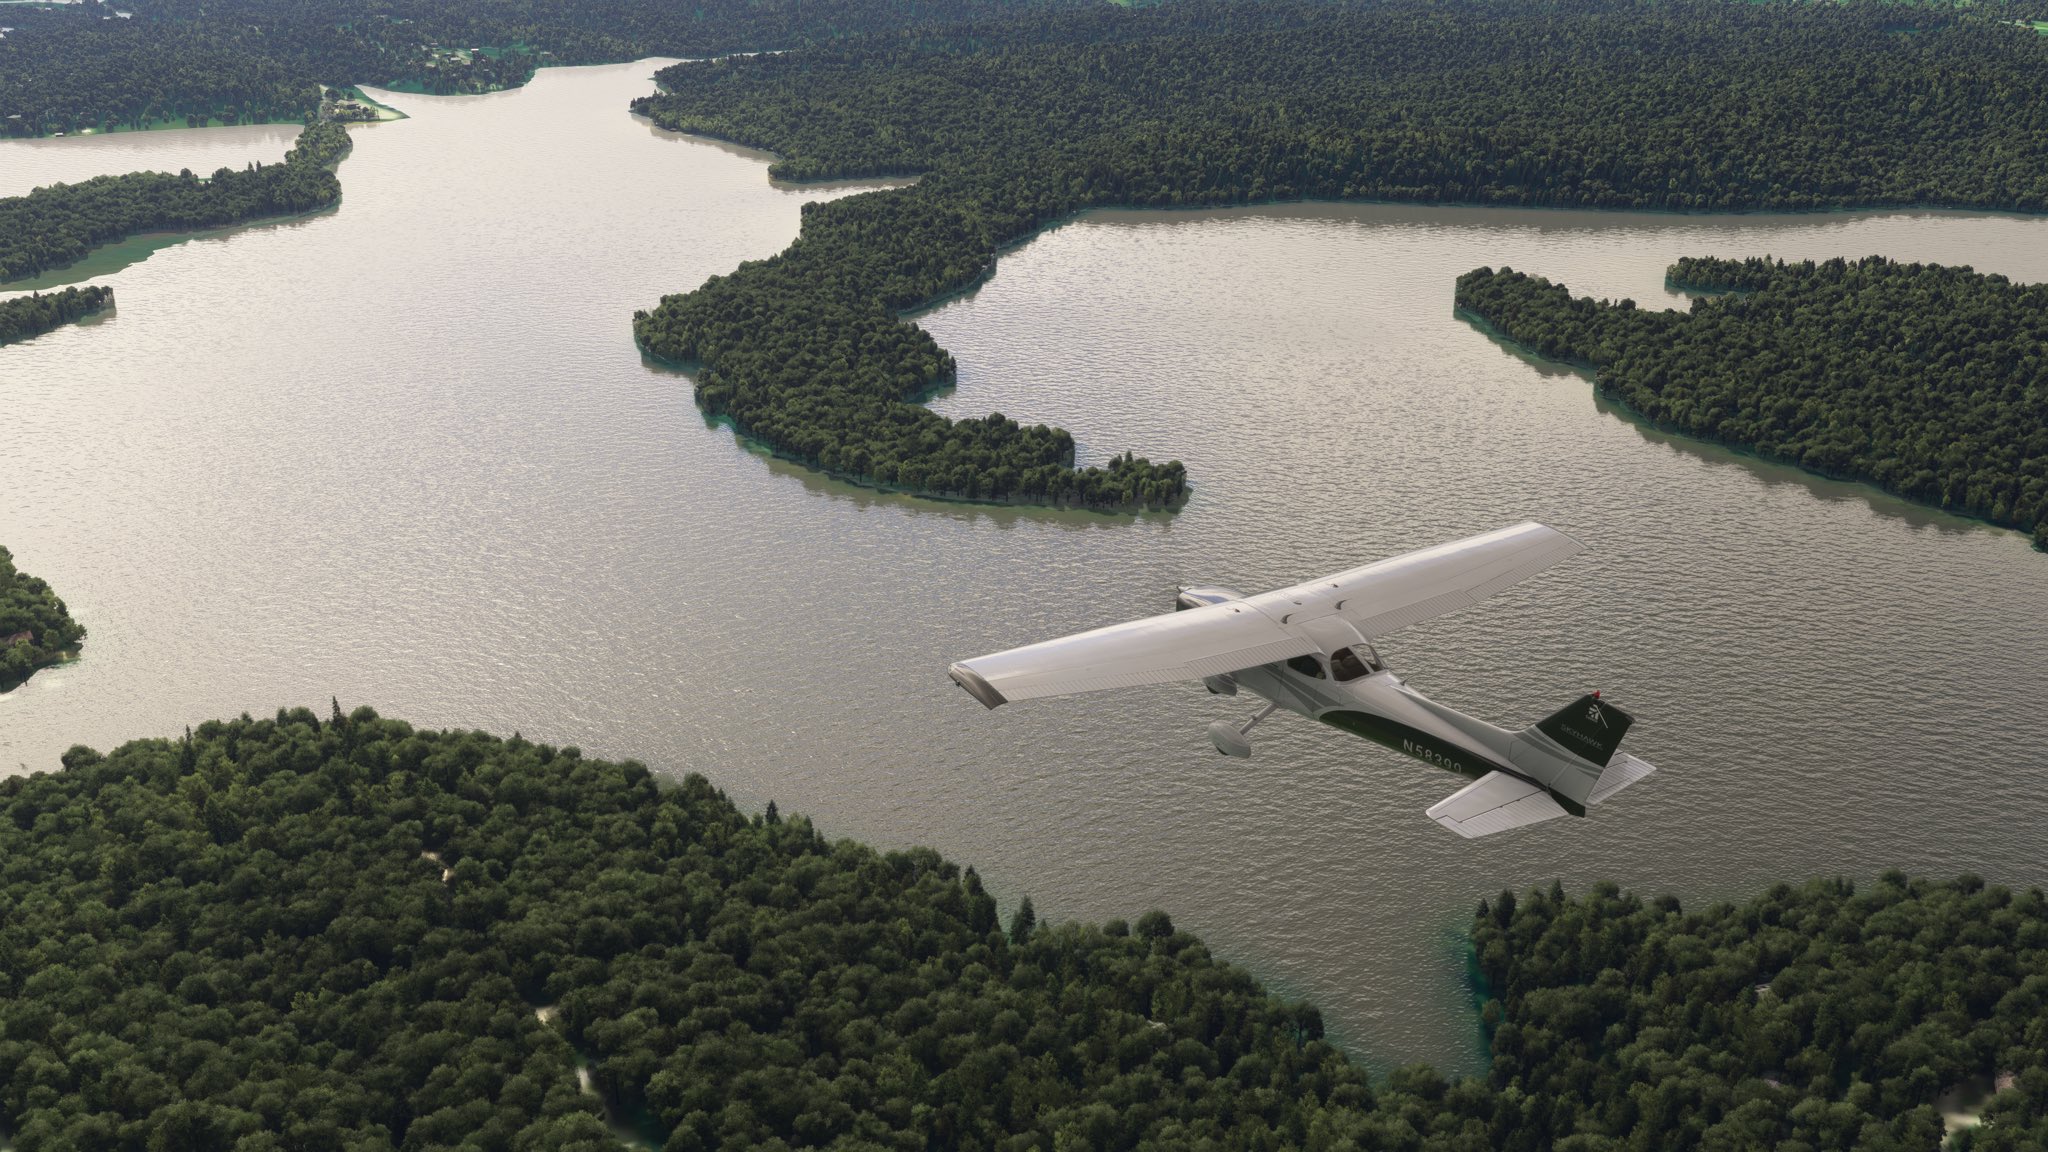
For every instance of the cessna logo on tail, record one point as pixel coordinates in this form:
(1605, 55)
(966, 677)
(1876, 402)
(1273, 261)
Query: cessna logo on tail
(1593, 712)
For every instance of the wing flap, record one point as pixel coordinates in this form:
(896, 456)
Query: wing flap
(1494, 803)
(1206, 641)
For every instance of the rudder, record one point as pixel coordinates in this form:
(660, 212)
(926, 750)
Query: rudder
(1589, 728)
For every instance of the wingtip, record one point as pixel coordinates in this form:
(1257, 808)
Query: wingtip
(1577, 544)
(976, 687)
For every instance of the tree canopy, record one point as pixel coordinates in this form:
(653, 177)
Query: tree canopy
(73, 67)
(26, 317)
(35, 627)
(1923, 379)
(349, 933)
(1019, 121)
(59, 224)
(297, 933)
(1823, 1016)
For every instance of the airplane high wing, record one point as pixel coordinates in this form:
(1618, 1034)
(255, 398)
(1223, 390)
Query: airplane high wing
(1218, 639)
(1309, 649)
(1421, 585)
(1212, 640)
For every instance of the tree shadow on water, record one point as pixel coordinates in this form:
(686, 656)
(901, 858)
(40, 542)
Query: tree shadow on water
(1774, 473)
(865, 497)
(111, 258)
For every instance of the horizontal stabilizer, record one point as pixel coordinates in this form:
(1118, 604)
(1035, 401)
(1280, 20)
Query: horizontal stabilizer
(1493, 803)
(1621, 772)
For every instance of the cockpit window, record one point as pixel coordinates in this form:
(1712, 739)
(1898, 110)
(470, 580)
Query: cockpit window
(1346, 665)
(1350, 664)
(1307, 666)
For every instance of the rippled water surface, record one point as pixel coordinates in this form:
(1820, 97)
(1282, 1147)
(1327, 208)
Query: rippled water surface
(404, 453)
(29, 164)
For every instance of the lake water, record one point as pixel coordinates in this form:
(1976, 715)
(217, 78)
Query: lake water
(404, 453)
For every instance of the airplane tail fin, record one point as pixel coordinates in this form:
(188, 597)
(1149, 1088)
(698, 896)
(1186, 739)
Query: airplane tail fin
(1589, 728)
(1562, 765)
(1575, 751)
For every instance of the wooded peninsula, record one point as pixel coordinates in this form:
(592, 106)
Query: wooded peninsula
(1925, 380)
(26, 317)
(35, 628)
(1018, 122)
(1017, 118)
(58, 225)
(349, 933)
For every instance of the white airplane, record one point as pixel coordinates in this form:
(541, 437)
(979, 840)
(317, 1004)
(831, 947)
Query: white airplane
(1308, 649)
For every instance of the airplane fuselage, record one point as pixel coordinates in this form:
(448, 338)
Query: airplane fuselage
(1350, 688)
(1383, 709)
(1308, 648)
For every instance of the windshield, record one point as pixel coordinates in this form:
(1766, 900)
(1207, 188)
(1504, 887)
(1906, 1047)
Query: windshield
(1350, 664)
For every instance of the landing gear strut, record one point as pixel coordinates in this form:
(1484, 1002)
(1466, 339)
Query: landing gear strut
(1230, 738)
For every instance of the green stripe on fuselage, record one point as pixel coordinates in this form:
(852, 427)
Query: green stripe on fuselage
(1422, 746)
(1413, 742)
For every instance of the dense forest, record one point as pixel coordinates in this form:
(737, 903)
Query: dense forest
(25, 317)
(1825, 1016)
(348, 933)
(57, 225)
(303, 933)
(1928, 381)
(35, 627)
(254, 61)
(1017, 122)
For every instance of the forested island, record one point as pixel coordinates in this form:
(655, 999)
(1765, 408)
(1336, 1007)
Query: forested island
(349, 933)
(26, 317)
(59, 224)
(35, 627)
(1924, 380)
(1018, 122)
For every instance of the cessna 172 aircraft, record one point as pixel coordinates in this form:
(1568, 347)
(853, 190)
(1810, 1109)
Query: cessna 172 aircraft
(1309, 649)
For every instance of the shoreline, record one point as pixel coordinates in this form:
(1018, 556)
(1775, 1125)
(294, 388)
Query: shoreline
(166, 125)
(1255, 205)
(58, 659)
(988, 269)
(385, 112)
(1592, 374)
(752, 443)
(142, 245)
(920, 309)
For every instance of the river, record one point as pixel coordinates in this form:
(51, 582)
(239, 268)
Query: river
(404, 453)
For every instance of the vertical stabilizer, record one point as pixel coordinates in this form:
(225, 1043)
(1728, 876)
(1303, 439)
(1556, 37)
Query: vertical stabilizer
(1589, 728)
